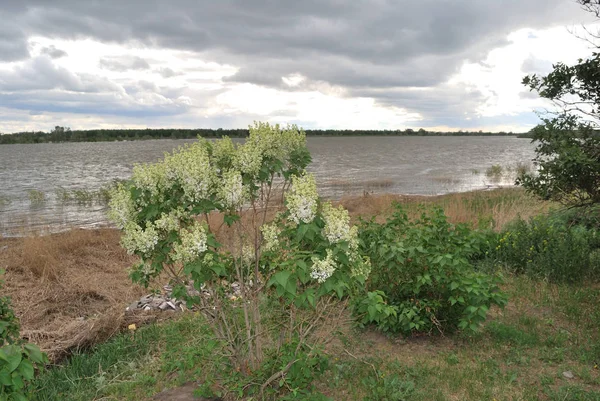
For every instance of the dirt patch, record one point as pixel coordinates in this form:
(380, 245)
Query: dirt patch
(69, 290)
(183, 393)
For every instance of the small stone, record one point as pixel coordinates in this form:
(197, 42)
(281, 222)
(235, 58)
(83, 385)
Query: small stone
(147, 308)
(163, 306)
(156, 302)
(568, 374)
(81, 318)
(133, 306)
(172, 305)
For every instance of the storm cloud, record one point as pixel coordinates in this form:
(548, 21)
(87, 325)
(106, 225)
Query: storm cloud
(399, 53)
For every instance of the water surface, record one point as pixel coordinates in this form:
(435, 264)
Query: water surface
(342, 166)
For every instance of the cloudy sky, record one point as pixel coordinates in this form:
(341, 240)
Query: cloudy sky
(381, 64)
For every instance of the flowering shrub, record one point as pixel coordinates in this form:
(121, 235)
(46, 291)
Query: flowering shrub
(303, 255)
(422, 278)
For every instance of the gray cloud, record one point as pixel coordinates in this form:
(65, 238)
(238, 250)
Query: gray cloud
(124, 63)
(377, 48)
(166, 72)
(40, 73)
(533, 65)
(53, 52)
(13, 42)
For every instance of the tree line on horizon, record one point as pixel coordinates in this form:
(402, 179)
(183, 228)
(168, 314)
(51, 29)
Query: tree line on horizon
(65, 134)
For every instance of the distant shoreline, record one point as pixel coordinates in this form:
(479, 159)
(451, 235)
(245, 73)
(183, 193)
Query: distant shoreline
(62, 135)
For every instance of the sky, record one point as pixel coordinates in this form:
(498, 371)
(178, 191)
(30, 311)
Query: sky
(328, 64)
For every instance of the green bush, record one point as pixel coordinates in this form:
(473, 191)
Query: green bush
(549, 247)
(17, 359)
(422, 278)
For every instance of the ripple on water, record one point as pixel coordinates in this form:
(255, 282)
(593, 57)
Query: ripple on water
(342, 165)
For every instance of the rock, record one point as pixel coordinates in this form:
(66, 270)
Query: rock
(133, 306)
(163, 306)
(568, 374)
(147, 308)
(172, 305)
(156, 302)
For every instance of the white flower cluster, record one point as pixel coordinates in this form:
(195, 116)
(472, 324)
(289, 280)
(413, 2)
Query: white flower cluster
(322, 269)
(135, 238)
(302, 198)
(337, 228)
(274, 141)
(360, 266)
(232, 191)
(248, 256)
(121, 207)
(170, 221)
(248, 159)
(191, 168)
(149, 177)
(193, 243)
(223, 151)
(337, 223)
(270, 235)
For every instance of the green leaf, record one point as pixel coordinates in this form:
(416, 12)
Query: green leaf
(34, 353)
(19, 397)
(5, 378)
(26, 370)
(230, 219)
(281, 278)
(14, 358)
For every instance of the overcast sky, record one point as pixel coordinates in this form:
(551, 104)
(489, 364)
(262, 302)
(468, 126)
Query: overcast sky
(380, 64)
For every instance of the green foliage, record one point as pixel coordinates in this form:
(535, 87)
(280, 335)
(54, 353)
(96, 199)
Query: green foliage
(17, 359)
(9, 324)
(422, 278)
(548, 247)
(568, 162)
(568, 145)
(62, 134)
(388, 388)
(302, 366)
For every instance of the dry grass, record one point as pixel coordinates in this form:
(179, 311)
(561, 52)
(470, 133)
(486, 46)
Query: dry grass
(69, 289)
(479, 208)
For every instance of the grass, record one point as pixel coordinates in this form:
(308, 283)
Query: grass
(520, 354)
(132, 366)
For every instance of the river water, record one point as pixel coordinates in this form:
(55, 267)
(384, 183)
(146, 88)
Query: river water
(342, 166)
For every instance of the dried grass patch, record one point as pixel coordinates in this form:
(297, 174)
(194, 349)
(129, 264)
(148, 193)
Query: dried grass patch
(69, 289)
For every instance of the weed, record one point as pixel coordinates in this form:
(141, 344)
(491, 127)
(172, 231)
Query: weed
(494, 172)
(36, 197)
